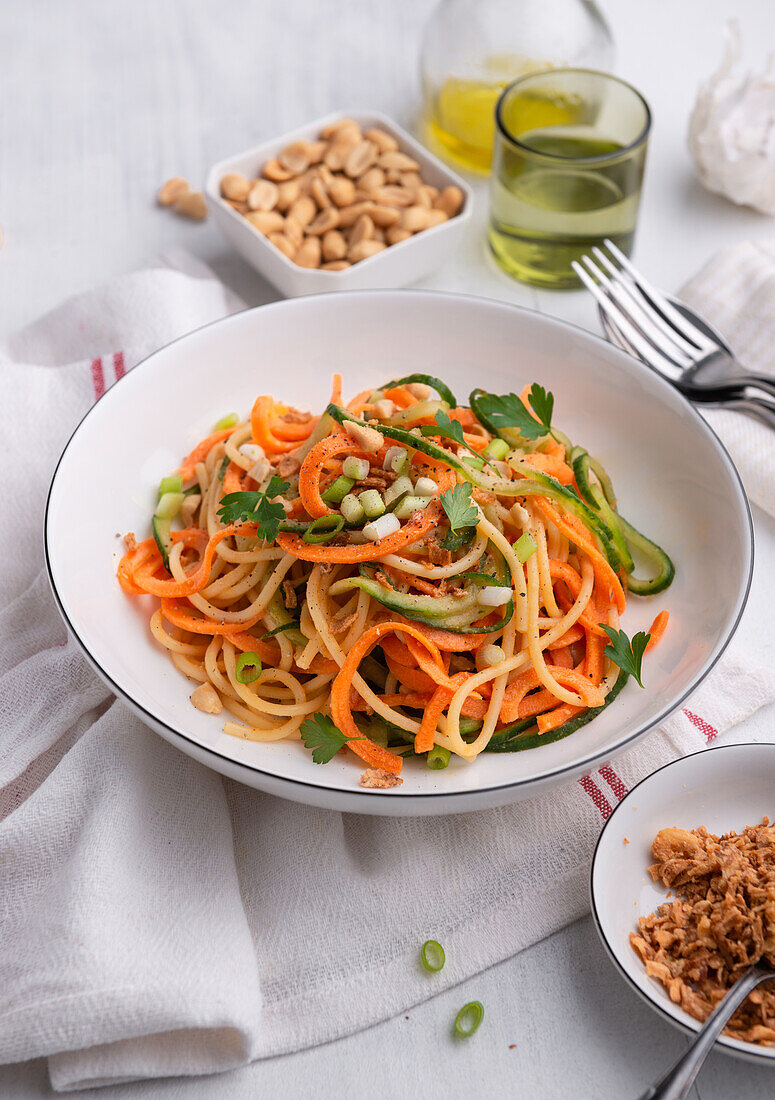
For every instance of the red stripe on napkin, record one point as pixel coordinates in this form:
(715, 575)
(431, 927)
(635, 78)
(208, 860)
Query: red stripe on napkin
(118, 365)
(709, 732)
(614, 782)
(597, 796)
(98, 378)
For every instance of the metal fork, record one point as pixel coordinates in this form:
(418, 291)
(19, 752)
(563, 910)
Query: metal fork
(669, 337)
(677, 1082)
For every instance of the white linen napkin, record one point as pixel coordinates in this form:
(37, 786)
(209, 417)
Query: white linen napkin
(158, 920)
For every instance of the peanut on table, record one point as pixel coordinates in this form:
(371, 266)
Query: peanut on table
(330, 203)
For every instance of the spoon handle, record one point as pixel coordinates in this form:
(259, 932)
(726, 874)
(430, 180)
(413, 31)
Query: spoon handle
(678, 1080)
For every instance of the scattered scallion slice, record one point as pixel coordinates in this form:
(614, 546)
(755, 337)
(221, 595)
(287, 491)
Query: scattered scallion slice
(323, 529)
(372, 503)
(399, 487)
(229, 421)
(432, 956)
(356, 468)
(352, 509)
(169, 504)
(468, 1019)
(411, 504)
(172, 484)
(338, 490)
(474, 461)
(496, 448)
(525, 547)
(248, 668)
(438, 758)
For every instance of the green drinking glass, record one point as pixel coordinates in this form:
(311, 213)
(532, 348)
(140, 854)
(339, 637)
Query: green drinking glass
(570, 149)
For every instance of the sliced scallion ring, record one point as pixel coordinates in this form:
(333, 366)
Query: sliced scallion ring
(432, 956)
(468, 1019)
(323, 529)
(525, 547)
(438, 758)
(171, 484)
(229, 421)
(248, 668)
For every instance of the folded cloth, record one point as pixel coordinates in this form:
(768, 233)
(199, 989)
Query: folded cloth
(158, 920)
(735, 291)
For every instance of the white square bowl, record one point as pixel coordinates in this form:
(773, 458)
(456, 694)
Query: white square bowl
(398, 265)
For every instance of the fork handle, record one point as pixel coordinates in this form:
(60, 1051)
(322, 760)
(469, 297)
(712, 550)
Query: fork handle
(678, 1080)
(757, 407)
(762, 382)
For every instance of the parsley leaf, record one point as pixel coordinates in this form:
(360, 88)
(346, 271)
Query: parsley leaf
(456, 540)
(324, 738)
(461, 512)
(257, 508)
(628, 655)
(507, 411)
(449, 429)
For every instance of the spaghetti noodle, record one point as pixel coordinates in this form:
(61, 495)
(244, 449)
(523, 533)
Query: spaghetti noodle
(419, 574)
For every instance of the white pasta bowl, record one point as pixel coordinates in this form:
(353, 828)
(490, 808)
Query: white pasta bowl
(398, 265)
(724, 789)
(674, 480)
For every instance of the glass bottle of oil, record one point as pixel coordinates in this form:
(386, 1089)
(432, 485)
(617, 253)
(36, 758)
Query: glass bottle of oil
(471, 49)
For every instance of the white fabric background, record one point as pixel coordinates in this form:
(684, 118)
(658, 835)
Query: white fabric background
(160, 920)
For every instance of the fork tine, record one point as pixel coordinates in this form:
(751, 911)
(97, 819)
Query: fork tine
(639, 344)
(690, 331)
(634, 294)
(638, 316)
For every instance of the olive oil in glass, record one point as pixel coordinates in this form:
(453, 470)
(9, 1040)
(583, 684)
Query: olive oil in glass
(473, 49)
(569, 156)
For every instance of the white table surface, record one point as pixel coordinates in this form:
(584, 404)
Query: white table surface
(99, 103)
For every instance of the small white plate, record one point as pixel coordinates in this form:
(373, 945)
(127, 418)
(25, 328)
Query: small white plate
(674, 479)
(724, 789)
(396, 266)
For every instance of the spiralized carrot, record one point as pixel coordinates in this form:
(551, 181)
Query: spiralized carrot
(313, 466)
(409, 533)
(261, 417)
(657, 628)
(200, 452)
(578, 534)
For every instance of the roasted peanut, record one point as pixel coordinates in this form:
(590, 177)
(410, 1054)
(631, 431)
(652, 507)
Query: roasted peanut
(385, 216)
(416, 218)
(349, 215)
(315, 151)
(309, 253)
(171, 191)
(391, 195)
(240, 207)
(374, 177)
(281, 241)
(287, 193)
(234, 186)
(273, 170)
(293, 231)
(386, 143)
(334, 245)
(192, 205)
(400, 161)
(363, 230)
(363, 249)
(319, 194)
(327, 219)
(360, 158)
(265, 221)
(344, 125)
(412, 181)
(342, 191)
(303, 210)
(206, 699)
(450, 201)
(395, 235)
(335, 265)
(263, 195)
(295, 157)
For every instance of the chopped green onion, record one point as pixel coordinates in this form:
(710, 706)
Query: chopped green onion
(248, 668)
(395, 502)
(170, 485)
(468, 1019)
(492, 655)
(411, 504)
(400, 486)
(323, 529)
(426, 487)
(229, 421)
(474, 461)
(352, 509)
(525, 547)
(432, 956)
(437, 759)
(396, 459)
(497, 448)
(356, 468)
(169, 505)
(338, 490)
(372, 503)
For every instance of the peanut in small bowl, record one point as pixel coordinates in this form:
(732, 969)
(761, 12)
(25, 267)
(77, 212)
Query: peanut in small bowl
(348, 202)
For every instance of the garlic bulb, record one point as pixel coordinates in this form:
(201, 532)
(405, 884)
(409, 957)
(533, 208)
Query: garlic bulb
(732, 131)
